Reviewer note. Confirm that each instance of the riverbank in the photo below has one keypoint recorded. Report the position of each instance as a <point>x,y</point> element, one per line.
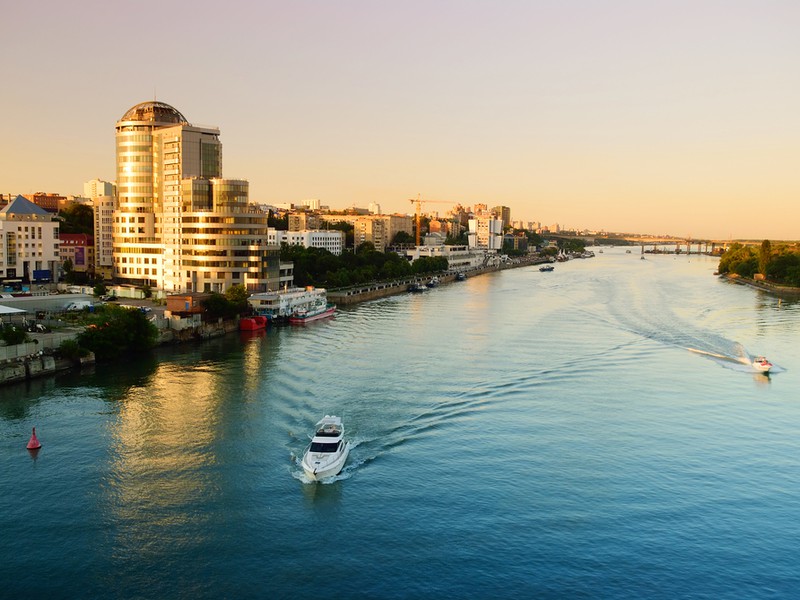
<point>764,286</point>
<point>374,291</point>
<point>36,359</point>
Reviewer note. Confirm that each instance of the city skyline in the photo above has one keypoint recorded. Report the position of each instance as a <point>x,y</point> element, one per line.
<point>667,118</point>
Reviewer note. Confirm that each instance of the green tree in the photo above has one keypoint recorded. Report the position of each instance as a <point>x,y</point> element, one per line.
<point>276,222</point>
<point>69,272</point>
<point>217,305</point>
<point>764,256</point>
<point>460,240</point>
<point>347,228</point>
<point>13,335</point>
<point>402,237</point>
<point>237,295</point>
<point>77,218</point>
<point>780,266</point>
<point>735,255</point>
<point>747,268</point>
<point>114,331</point>
<point>72,350</point>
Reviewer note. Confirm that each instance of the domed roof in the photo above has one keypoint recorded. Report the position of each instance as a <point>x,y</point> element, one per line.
<point>154,111</point>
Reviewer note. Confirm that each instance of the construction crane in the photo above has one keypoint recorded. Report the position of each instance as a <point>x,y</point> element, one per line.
<point>419,201</point>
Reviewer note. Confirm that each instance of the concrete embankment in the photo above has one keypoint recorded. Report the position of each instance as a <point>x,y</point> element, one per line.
<point>778,290</point>
<point>373,291</point>
<point>37,365</point>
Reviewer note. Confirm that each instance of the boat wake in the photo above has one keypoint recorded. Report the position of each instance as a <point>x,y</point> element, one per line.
<point>652,317</point>
<point>741,361</point>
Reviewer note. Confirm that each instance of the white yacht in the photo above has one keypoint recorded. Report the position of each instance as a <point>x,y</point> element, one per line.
<point>327,453</point>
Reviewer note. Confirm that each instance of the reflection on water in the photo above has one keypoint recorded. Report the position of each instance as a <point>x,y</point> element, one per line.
<point>515,411</point>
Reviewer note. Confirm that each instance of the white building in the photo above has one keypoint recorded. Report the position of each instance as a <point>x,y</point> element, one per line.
<point>97,187</point>
<point>331,240</point>
<point>485,232</point>
<point>29,246</point>
<point>459,258</point>
<point>310,204</point>
<point>102,197</point>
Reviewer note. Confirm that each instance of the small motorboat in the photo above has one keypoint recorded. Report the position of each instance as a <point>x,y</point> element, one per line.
<point>328,450</point>
<point>761,364</point>
<point>546,268</point>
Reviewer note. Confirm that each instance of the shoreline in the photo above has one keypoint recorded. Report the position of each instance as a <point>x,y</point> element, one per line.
<point>21,368</point>
<point>764,286</point>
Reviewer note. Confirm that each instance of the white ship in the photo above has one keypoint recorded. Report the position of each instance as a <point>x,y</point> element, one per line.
<point>279,306</point>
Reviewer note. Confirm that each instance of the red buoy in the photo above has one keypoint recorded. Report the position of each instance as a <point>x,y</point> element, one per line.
<point>33,443</point>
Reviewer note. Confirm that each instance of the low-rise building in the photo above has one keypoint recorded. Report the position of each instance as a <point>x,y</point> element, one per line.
<point>331,240</point>
<point>29,244</point>
<point>78,248</point>
<point>459,258</point>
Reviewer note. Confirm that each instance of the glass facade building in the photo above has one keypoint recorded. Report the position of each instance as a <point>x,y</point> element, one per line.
<point>175,212</point>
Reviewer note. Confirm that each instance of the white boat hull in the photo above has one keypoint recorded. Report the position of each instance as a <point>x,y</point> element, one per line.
<point>320,465</point>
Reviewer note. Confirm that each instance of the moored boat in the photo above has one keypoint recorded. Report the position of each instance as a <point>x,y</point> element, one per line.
<point>303,315</point>
<point>279,306</point>
<point>328,450</point>
<point>252,323</point>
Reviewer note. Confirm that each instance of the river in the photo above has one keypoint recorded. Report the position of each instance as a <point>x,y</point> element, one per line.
<point>585,433</point>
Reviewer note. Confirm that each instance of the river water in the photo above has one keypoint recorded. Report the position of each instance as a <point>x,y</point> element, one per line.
<point>518,435</point>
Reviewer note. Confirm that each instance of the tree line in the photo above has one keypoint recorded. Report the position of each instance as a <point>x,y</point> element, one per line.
<point>779,264</point>
<point>318,267</point>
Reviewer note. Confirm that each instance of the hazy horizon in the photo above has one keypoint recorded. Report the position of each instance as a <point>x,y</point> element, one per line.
<point>674,118</point>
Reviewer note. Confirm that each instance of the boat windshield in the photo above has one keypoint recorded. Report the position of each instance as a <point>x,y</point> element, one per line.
<point>324,446</point>
<point>329,430</point>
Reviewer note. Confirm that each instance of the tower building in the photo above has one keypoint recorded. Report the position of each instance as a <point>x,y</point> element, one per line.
<point>178,225</point>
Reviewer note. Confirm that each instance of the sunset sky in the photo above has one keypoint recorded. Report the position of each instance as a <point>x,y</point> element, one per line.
<point>665,117</point>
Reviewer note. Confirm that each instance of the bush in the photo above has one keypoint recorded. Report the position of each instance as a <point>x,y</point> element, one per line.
<point>115,331</point>
<point>13,335</point>
<point>71,350</point>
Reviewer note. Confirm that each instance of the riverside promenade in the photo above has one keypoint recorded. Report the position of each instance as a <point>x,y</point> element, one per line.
<point>375,290</point>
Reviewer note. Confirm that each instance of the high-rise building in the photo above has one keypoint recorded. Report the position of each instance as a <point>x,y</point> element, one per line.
<point>485,230</point>
<point>102,195</point>
<point>504,214</point>
<point>179,226</point>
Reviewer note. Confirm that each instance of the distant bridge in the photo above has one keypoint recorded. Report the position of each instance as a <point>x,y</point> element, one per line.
<point>682,245</point>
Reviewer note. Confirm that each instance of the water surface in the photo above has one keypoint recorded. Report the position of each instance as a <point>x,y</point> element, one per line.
<point>521,434</point>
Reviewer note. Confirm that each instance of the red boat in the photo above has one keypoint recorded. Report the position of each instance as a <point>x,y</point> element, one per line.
<point>252,323</point>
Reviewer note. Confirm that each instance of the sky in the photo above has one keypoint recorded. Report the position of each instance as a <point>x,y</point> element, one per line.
<point>664,117</point>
